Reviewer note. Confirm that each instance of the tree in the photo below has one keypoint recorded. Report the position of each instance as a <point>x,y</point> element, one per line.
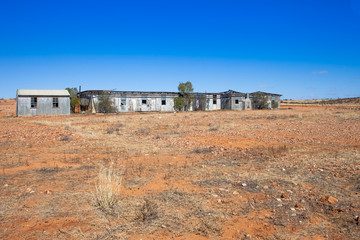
<point>178,104</point>
<point>74,100</point>
<point>106,104</point>
<point>274,104</point>
<point>186,95</point>
<point>260,101</point>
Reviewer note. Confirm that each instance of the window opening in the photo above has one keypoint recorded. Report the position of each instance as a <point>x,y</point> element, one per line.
<point>163,100</point>
<point>214,99</point>
<point>33,102</point>
<point>55,102</point>
<point>123,101</point>
<point>144,100</point>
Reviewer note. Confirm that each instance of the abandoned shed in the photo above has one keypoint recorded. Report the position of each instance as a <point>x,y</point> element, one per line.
<point>135,101</point>
<point>31,102</point>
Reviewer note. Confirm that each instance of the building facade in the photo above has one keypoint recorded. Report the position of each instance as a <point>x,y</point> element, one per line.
<point>133,101</point>
<point>30,102</point>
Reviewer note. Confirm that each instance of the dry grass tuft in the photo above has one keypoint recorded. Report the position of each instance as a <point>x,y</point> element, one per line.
<point>106,195</point>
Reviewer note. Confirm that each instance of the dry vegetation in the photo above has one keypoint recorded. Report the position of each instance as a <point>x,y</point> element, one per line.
<point>340,101</point>
<point>271,174</point>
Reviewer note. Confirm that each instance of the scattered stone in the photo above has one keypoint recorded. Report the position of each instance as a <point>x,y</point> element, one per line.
<point>292,209</point>
<point>329,199</point>
<point>244,184</point>
<point>48,192</point>
<point>219,200</point>
<point>279,200</point>
<point>235,193</point>
<point>6,185</point>
<point>284,195</point>
<point>266,187</point>
<point>299,205</point>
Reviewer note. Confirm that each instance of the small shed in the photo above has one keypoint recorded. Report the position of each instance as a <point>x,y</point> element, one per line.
<point>30,102</point>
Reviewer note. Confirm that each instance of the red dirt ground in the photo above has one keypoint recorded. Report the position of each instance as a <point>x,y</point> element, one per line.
<point>191,175</point>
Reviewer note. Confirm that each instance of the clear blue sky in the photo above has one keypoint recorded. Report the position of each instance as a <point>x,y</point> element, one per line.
<point>298,48</point>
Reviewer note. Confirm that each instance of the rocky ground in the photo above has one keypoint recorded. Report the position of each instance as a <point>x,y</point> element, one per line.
<point>292,173</point>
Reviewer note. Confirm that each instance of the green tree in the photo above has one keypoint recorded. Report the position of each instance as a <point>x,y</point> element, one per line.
<point>74,100</point>
<point>260,101</point>
<point>106,104</point>
<point>274,104</point>
<point>178,104</point>
<point>186,92</point>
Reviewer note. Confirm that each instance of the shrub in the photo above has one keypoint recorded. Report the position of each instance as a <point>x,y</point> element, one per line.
<point>105,104</point>
<point>274,104</point>
<point>178,104</point>
<point>260,101</point>
<point>74,100</point>
<point>147,212</point>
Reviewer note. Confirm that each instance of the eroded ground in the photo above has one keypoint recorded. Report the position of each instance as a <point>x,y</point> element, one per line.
<point>282,174</point>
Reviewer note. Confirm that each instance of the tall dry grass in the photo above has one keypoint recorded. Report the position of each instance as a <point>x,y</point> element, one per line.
<point>106,193</point>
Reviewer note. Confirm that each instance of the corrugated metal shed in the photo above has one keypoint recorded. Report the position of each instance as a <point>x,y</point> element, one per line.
<point>39,93</point>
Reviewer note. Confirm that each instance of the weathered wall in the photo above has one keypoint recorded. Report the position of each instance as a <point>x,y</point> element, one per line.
<point>210,100</point>
<point>44,106</point>
<point>237,106</point>
<point>135,104</point>
<point>132,101</point>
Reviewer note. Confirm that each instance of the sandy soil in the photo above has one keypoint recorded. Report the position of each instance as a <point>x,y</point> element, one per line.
<point>292,173</point>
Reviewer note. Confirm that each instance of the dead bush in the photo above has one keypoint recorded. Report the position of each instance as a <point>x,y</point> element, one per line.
<point>106,195</point>
<point>277,151</point>
<point>147,212</point>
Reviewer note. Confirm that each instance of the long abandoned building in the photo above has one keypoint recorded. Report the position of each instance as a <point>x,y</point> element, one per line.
<point>135,101</point>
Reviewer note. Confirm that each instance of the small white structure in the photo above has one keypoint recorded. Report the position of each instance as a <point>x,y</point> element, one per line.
<point>31,102</point>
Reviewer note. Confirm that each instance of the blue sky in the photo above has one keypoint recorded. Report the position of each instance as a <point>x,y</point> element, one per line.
<point>301,49</point>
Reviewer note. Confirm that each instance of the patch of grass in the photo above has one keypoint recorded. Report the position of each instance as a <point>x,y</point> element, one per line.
<point>214,129</point>
<point>66,138</point>
<point>106,195</point>
<point>48,170</point>
<point>158,137</point>
<point>144,132</point>
<point>114,128</point>
<point>201,150</point>
<point>277,151</point>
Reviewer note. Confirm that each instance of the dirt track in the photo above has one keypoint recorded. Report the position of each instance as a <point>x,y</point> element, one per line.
<point>272,174</point>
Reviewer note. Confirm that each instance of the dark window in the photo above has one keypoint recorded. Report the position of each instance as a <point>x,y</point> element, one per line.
<point>273,98</point>
<point>236,101</point>
<point>144,99</point>
<point>123,101</point>
<point>214,99</point>
<point>55,102</point>
<point>33,102</point>
<point>163,99</point>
